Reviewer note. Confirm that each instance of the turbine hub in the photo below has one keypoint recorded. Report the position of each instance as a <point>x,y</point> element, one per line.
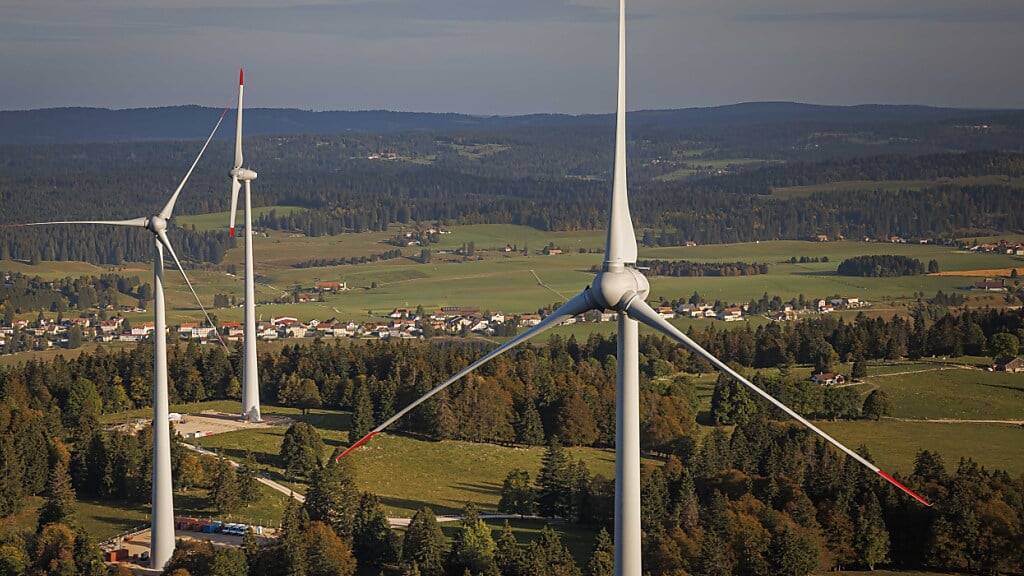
<point>616,287</point>
<point>243,174</point>
<point>156,224</point>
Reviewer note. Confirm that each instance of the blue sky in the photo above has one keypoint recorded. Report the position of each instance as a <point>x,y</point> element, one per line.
<point>508,56</point>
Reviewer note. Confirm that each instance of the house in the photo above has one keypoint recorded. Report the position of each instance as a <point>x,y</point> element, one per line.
<point>497,318</point>
<point>731,314</point>
<point>528,320</point>
<point>111,326</point>
<point>783,315</point>
<point>232,329</point>
<point>666,312</point>
<point>402,313</point>
<point>331,286</point>
<point>828,379</point>
<point>284,321</point>
<point>990,285</point>
<point>551,251</point>
<point>305,297</point>
<point>1015,365</point>
<point>820,238</point>
<point>144,329</point>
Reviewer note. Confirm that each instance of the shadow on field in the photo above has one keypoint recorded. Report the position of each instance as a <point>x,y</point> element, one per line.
<point>408,504</point>
<point>485,488</point>
<point>339,421</point>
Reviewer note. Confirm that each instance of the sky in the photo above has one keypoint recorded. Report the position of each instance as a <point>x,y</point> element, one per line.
<point>508,56</point>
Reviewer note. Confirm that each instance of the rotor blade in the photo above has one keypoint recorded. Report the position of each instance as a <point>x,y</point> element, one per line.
<point>577,305</point>
<point>621,244</point>
<point>238,120</point>
<point>642,312</point>
<point>169,207</point>
<point>235,185</point>
<point>167,244</point>
<point>134,222</point>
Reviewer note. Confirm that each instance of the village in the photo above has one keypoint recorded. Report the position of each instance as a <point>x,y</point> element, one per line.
<point>400,323</point>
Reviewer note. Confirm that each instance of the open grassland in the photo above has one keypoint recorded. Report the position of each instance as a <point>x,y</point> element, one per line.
<point>507,283</point>
<point>104,519</point>
<point>407,473</point>
<point>893,185</point>
<point>894,444</point>
<point>219,220</point>
<point>954,394</point>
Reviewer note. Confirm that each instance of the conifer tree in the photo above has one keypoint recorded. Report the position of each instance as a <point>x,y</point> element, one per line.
<point>517,496</point>
<point>362,414</point>
<point>60,494</point>
<point>509,558</point>
<point>871,538</point>
<point>554,483</point>
<point>374,544</point>
<point>602,561</point>
<point>424,545</point>
<point>473,548</point>
<point>332,497</point>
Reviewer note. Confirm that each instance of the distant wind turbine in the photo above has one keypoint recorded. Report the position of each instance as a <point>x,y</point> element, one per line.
<point>162,516</point>
<point>250,371</point>
<point>621,288</point>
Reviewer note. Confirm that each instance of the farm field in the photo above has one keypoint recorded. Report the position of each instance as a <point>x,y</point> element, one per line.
<point>894,444</point>
<point>507,283</point>
<point>219,220</point>
<point>954,394</point>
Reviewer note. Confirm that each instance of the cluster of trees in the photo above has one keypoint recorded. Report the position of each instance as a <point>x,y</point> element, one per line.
<point>106,244</point>
<point>21,293</point>
<point>688,268</point>
<point>876,266</point>
<point>323,262</point>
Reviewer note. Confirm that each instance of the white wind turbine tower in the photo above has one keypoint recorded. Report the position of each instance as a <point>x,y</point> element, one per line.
<point>621,288</point>
<point>162,515</point>
<point>250,370</point>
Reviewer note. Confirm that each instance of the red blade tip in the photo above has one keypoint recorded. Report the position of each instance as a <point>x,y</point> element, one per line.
<point>353,447</point>
<point>902,487</point>
<point>231,231</point>
<point>241,76</point>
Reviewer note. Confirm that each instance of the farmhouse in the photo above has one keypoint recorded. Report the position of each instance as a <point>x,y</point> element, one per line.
<point>332,286</point>
<point>990,285</point>
<point>732,314</point>
<point>1015,365</point>
<point>828,379</point>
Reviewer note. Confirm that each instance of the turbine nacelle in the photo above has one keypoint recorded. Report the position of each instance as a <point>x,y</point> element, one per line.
<point>617,287</point>
<point>156,224</point>
<point>243,174</point>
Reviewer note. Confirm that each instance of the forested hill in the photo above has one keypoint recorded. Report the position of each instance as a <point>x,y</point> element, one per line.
<point>67,125</point>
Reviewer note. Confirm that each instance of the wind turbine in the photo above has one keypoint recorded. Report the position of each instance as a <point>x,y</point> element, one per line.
<point>250,370</point>
<point>162,516</point>
<point>621,288</point>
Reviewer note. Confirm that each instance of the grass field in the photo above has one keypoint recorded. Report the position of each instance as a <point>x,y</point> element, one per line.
<point>104,519</point>
<point>894,444</point>
<point>955,394</point>
<point>406,473</point>
<point>219,220</point>
<point>500,282</point>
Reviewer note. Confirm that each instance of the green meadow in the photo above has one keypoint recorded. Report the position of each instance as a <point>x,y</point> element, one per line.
<point>499,281</point>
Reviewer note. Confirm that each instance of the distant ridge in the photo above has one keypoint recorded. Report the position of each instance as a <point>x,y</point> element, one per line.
<point>68,125</point>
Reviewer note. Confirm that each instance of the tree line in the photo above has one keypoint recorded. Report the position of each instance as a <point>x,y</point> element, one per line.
<point>688,268</point>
